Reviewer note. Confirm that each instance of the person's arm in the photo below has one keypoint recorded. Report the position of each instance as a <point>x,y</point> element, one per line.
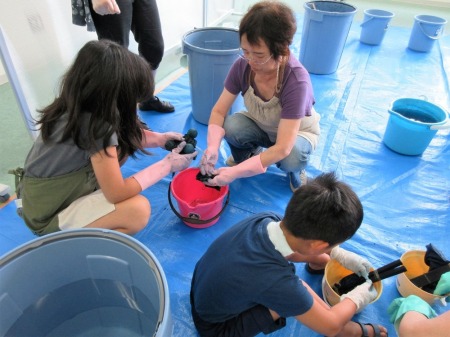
<point>221,108</point>
<point>258,164</point>
<point>415,324</point>
<point>329,321</point>
<point>216,132</point>
<point>286,138</point>
<point>117,189</point>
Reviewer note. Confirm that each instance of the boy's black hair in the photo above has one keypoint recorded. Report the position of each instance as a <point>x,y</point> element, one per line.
<point>106,80</point>
<point>271,21</point>
<point>324,209</point>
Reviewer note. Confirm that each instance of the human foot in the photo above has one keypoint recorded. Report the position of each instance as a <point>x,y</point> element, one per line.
<point>356,329</point>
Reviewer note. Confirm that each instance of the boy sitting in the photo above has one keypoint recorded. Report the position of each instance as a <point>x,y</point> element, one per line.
<point>246,283</point>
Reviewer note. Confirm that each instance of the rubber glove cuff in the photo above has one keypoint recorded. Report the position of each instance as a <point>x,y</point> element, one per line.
<point>247,168</point>
<point>215,135</point>
<point>152,174</point>
<point>400,306</point>
<point>443,286</point>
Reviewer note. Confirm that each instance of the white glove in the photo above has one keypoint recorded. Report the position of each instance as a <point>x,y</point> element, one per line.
<point>351,261</point>
<point>362,295</point>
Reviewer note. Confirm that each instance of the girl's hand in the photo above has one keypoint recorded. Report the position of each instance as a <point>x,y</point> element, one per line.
<point>177,161</point>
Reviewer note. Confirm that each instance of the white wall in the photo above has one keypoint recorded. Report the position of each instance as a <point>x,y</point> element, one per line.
<point>42,41</point>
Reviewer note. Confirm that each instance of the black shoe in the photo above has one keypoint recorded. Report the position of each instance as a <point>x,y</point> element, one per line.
<point>155,104</point>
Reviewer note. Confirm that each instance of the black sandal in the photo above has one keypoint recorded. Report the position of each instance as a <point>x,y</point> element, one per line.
<point>365,332</point>
<point>314,271</point>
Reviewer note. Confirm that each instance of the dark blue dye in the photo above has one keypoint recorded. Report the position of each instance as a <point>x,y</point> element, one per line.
<point>417,116</point>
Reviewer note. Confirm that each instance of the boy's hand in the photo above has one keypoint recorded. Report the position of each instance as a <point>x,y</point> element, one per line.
<point>362,295</point>
<point>352,261</point>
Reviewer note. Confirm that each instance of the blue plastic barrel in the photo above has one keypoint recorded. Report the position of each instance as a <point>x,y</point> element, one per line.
<point>325,28</point>
<point>374,26</point>
<point>86,282</point>
<point>211,52</point>
<point>426,30</point>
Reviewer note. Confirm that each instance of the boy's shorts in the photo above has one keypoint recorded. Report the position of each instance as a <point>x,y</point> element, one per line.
<point>249,323</point>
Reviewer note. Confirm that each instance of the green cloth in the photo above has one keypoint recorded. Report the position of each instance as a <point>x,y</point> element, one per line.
<point>443,286</point>
<point>44,198</point>
<point>401,306</point>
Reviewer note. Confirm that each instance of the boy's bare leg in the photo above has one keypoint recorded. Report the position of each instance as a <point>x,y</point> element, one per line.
<point>352,329</point>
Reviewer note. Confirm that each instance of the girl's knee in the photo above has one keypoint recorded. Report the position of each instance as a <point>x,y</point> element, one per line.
<point>140,212</point>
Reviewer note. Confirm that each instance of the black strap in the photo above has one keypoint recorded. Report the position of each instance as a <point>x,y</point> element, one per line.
<point>430,277</point>
<point>193,220</point>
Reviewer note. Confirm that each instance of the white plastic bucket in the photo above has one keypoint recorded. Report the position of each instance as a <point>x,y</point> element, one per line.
<point>87,282</point>
<point>374,26</point>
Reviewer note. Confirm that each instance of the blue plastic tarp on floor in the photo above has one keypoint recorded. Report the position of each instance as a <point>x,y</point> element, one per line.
<point>405,198</point>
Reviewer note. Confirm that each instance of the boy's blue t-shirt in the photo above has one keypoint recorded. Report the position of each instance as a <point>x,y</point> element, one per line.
<point>242,269</point>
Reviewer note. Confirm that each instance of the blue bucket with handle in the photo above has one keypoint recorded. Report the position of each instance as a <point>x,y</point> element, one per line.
<point>412,125</point>
<point>374,26</point>
<point>426,30</point>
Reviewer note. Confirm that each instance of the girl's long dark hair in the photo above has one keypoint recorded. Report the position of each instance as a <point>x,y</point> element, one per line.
<point>107,81</point>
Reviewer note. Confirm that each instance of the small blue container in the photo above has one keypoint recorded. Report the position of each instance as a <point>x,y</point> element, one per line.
<point>211,52</point>
<point>325,29</point>
<point>412,125</point>
<point>87,282</point>
<point>426,30</point>
<point>374,26</point>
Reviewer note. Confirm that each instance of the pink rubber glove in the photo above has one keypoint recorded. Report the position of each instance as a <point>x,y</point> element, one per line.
<point>173,162</point>
<point>211,154</point>
<point>248,168</point>
<point>362,295</point>
<point>105,7</point>
<point>156,139</point>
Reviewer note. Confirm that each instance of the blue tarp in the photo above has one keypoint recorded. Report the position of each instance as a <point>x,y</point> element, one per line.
<point>405,198</point>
